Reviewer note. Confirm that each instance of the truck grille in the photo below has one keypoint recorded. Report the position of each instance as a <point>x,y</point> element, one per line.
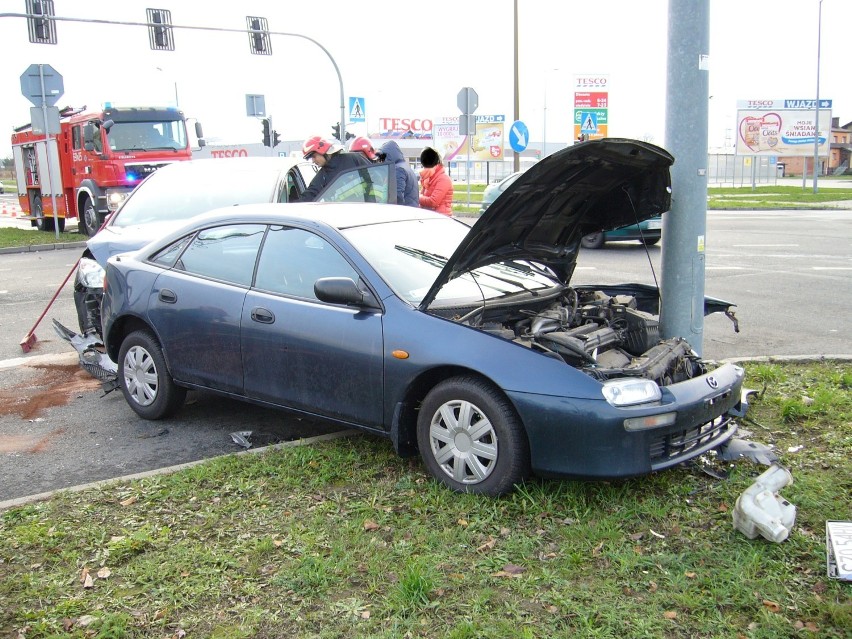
<point>677,446</point>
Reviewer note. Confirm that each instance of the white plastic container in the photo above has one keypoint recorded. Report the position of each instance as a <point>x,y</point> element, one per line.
<point>760,510</point>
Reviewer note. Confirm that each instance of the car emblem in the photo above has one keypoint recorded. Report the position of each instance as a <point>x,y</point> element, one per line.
<point>711,381</point>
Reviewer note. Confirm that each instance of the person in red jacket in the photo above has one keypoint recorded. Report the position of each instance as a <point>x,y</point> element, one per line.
<point>436,187</point>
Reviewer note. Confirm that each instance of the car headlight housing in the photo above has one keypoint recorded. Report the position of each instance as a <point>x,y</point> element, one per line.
<point>90,274</point>
<point>630,391</point>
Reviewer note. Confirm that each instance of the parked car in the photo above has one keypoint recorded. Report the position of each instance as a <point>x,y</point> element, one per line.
<point>648,232</point>
<point>468,345</point>
<point>175,193</point>
<point>493,191</point>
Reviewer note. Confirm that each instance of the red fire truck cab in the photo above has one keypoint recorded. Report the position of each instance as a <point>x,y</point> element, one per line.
<point>90,167</point>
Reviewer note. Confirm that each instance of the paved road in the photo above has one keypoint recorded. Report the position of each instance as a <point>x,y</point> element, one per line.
<point>787,271</point>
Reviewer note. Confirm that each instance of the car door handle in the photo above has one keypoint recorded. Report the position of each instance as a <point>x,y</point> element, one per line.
<point>262,315</point>
<point>167,295</point>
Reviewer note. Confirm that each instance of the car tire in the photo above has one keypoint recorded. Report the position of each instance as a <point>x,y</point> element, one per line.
<point>37,211</point>
<point>91,219</point>
<point>144,377</point>
<point>592,241</point>
<point>650,241</point>
<point>463,415</point>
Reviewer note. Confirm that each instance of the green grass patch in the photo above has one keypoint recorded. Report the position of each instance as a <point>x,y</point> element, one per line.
<point>10,237</point>
<point>345,539</point>
<point>773,197</point>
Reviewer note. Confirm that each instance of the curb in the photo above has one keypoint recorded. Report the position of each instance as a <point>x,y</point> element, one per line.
<point>168,470</point>
<point>36,248</point>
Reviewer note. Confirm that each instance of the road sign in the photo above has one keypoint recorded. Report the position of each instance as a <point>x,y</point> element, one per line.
<point>42,75</point>
<point>468,100</point>
<point>519,136</point>
<point>467,124</point>
<point>255,106</point>
<point>357,110</point>
<point>589,122</point>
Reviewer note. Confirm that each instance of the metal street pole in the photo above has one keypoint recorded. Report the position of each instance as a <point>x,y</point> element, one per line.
<point>221,29</point>
<point>685,226</point>
<point>816,103</point>
<point>517,156</point>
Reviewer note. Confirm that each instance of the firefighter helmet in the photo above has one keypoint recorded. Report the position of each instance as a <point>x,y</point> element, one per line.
<point>363,145</point>
<point>315,145</point>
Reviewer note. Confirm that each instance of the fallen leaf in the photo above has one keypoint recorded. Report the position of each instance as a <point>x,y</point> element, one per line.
<point>67,624</point>
<point>84,573</point>
<point>129,501</point>
<point>690,575</point>
<point>510,570</point>
<point>637,536</point>
<point>771,605</point>
<point>104,572</point>
<point>656,534</point>
<point>180,634</point>
<point>370,526</point>
<point>463,522</point>
<point>670,614</point>
<point>723,507</point>
<point>597,549</point>
<point>85,620</point>
<point>488,545</point>
<point>652,586</point>
<point>365,614</point>
<point>813,627</point>
<point>552,609</point>
<point>88,582</point>
<point>277,543</point>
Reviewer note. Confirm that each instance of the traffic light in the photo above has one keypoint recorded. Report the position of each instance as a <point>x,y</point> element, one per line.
<point>267,133</point>
<point>275,138</point>
<point>349,136</point>
<point>336,129</point>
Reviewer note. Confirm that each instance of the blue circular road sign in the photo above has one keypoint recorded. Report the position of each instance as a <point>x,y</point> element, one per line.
<point>519,136</point>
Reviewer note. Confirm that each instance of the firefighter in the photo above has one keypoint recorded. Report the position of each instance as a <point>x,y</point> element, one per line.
<point>363,145</point>
<point>330,160</point>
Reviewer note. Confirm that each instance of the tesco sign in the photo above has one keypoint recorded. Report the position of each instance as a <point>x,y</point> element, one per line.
<point>415,125</point>
<point>591,82</point>
<point>229,153</point>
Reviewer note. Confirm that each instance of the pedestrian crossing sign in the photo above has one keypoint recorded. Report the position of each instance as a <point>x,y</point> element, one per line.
<point>356,110</point>
<point>589,123</point>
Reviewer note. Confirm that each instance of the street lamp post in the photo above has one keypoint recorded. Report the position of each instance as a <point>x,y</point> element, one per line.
<point>816,102</point>
<point>544,124</point>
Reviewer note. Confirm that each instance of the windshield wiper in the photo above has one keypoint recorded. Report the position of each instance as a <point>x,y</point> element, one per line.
<point>429,258</point>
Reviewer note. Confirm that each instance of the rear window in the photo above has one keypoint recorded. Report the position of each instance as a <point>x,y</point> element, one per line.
<point>181,194</point>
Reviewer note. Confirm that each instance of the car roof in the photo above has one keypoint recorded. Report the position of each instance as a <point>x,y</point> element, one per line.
<point>223,165</point>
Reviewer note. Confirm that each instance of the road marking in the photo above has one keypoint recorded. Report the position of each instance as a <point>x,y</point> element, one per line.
<point>766,245</point>
<point>832,268</point>
<point>724,268</point>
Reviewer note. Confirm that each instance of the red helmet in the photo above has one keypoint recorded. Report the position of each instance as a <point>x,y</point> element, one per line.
<point>315,145</point>
<point>363,145</point>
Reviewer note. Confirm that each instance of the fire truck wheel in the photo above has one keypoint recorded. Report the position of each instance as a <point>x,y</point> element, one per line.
<point>45,223</point>
<point>91,220</point>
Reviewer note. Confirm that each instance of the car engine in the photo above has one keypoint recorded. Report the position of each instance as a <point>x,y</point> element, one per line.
<point>604,336</point>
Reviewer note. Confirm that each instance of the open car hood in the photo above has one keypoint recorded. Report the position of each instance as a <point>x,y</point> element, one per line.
<point>586,188</point>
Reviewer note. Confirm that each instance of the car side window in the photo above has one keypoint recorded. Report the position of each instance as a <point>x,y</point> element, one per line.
<point>293,259</point>
<point>363,184</point>
<point>226,253</point>
<point>168,256</point>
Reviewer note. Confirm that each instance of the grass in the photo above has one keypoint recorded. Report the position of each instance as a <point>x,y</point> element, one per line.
<point>773,197</point>
<point>344,539</point>
<point>12,237</point>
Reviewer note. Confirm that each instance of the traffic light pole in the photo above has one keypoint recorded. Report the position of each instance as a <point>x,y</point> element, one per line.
<point>194,28</point>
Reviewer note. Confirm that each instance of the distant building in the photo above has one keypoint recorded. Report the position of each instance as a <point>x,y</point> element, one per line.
<point>840,152</point>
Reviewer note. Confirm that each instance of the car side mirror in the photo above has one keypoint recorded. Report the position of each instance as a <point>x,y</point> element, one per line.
<point>343,290</point>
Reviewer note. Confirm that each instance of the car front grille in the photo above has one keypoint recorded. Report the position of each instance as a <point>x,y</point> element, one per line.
<point>678,446</point>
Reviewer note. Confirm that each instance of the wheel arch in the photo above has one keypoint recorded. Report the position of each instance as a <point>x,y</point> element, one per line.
<point>123,327</point>
<point>403,430</point>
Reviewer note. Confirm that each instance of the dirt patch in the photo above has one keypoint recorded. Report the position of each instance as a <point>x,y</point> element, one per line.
<point>51,386</point>
<point>25,444</point>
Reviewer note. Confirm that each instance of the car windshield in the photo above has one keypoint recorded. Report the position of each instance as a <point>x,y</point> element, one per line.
<point>410,254</point>
<point>179,195</point>
<point>141,136</point>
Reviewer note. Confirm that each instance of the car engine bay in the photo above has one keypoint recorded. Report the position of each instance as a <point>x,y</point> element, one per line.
<point>604,336</point>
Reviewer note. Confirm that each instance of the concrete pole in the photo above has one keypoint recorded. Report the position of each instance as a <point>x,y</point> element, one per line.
<point>685,226</point>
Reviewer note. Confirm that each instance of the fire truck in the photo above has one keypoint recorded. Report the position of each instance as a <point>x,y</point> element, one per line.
<point>98,157</point>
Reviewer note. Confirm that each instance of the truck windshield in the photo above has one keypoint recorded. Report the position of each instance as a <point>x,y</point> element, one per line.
<point>145,136</point>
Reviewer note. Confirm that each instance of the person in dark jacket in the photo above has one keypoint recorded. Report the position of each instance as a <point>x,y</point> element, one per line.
<point>407,191</point>
<point>330,162</point>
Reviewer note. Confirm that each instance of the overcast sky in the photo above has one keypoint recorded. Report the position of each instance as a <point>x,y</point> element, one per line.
<point>409,59</point>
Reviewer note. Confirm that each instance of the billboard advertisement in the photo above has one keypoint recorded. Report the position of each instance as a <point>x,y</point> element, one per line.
<point>782,128</point>
<point>591,106</point>
<point>486,144</point>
